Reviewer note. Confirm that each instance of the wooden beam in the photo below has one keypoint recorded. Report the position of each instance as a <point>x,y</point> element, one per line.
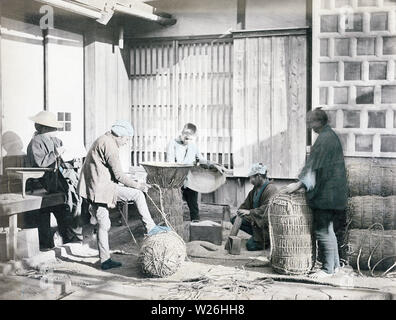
<point>1,97</point>
<point>13,203</point>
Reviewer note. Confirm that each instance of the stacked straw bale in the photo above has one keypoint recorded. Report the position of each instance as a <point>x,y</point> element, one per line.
<point>364,211</point>
<point>372,203</point>
<point>370,179</point>
<point>293,248</point>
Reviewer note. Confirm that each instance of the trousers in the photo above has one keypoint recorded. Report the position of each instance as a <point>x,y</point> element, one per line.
<point>323,223</point>
<point>101,213</point>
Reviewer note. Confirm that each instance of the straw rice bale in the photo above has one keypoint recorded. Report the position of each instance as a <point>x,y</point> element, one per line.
<point>371,179</point>
<point>364,211</point>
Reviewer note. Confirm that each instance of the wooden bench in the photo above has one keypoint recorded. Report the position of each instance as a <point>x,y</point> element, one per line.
<point>11,204</point>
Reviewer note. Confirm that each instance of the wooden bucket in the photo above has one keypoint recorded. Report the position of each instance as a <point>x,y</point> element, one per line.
<point>371,179</point>
<point>364,211</point>
<point>293,248</point>
<point>166,195</point>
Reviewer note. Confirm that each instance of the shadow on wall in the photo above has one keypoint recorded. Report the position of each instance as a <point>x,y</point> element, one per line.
<point>13,145</point>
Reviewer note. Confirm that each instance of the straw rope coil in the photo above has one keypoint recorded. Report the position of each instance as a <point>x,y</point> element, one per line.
<point>162,254</point>
<point>372,250</point>
<point>364,211</point>
<point>293,249</point>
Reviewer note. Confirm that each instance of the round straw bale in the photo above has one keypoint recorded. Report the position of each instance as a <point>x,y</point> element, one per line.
<point>364,211</point>
<point>162,254</point>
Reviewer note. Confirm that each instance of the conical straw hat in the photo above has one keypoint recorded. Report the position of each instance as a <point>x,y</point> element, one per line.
<point>46,118</point>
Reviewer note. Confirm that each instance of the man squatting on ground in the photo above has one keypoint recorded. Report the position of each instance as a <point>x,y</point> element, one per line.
<point>254,210</point>
<point>183,150</point>
<point>324,178</point>
<point>99,184</point>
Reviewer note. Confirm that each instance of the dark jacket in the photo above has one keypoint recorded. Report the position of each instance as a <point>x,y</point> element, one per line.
<point>41,154</point>
<point>327,161</point>
<point>260,214</point>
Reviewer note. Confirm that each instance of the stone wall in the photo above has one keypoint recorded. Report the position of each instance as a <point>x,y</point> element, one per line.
<point>353,60</point>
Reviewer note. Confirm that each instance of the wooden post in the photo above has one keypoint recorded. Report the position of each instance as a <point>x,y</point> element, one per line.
<point>13,236</point>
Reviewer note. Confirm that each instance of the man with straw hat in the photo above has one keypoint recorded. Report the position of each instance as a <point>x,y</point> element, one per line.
<point>254,210</point>
<point>99,184</point>
<point>44,151</point>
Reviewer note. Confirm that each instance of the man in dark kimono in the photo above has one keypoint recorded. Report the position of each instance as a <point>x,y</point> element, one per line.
<point>254,210</point>
<point>324,178</point>
<point>44,151</point>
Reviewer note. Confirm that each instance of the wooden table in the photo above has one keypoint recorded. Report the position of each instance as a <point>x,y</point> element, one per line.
<point>25,174</point>
<point>13,203</point>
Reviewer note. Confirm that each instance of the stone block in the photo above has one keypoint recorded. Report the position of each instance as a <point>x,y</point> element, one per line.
<point>324,47</point>
<point>340,95</point>
<point>388,94</point>
<point>388,143</point>
<point>389,45</point>
<point>234,245</point>
<point>357,25</point>
<point>352,70</point>
<point>376,119</point>
<point>328,71</point>
<point>367,3</point>
<point>351,119</point>
<point>329,23</point>
<point>379,21</point>
<point>365,46</point>
<point>377,70</point>
<point>364,95</point>
<point>341,47</point>
<point>364,143</point>
<point>202,231</point>
<point>28,243</point>
<point>323,93</point>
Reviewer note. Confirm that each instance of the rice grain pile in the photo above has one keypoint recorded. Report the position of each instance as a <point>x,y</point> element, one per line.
<point>370,247</point>
<point>293,249</point>
<point>162,254</point>
<point>364,211</point>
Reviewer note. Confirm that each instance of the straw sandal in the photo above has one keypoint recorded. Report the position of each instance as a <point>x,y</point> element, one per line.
<point>320,275</point>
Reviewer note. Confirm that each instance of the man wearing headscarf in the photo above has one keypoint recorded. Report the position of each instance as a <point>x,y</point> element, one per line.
<point>324,179</point>
<point>99,184</point>
<point>254,210</point>
<point>44,151</point>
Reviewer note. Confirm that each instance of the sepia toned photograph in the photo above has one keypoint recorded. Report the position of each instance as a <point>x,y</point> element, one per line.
<point>196,155</point>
